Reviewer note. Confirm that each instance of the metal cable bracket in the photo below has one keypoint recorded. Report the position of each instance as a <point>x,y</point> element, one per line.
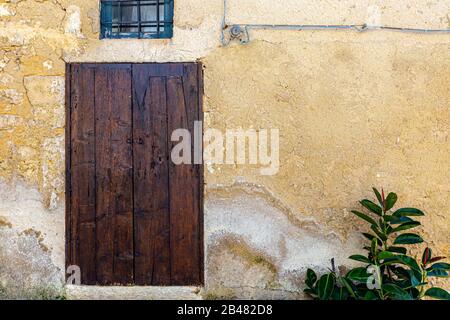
<point>241,32</point>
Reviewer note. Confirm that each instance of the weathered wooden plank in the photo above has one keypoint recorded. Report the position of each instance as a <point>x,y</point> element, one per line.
<point>68,197</point>
<point>200,174</point>
<point>152,262</point>
<point>191,87</point>
<point>82,177</point>
<point>122,172</point>
<point>184,209</point>
<point>103,172</point>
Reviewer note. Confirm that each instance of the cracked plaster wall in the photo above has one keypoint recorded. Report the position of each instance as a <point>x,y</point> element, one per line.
<point>355,110</point>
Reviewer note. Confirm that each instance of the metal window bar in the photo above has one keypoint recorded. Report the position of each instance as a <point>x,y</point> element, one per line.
<point>126,19</point>
<point>157,16</point>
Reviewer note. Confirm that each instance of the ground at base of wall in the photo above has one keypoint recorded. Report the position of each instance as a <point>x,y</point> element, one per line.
<point>73,292</point>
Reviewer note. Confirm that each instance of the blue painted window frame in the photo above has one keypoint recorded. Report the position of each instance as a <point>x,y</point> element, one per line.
<point>106,17</point>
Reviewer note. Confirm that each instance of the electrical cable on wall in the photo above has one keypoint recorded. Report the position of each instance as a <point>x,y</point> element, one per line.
<point>242,31</point>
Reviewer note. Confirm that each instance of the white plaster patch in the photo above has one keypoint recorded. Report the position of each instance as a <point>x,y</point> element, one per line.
<point>53,157</point>
<point>45,91</point>
<point>23,207</point>
<point>46,95</point>
<point>5,78</point>
<point>5,10</point>
<point>9,121</point>
<point>73,21</point>
<point>269,231</point>
<point>48,64</point>
<point>11,96</point>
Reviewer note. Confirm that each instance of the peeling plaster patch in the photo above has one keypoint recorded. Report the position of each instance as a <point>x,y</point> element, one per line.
<point>5,223</point>
<point>73,21</point>
<point>187,45</point>
<point>266,232</point>
<point>3,62</point>
<point>5,10</point>
<point>53,182</point>
<point>33,251</point>
<point>5,78</point>
<point>93,15</point>
<point>46,95</point>
<point>48,64</point>
<point>26,271</point>
<point>45,91</point>
<point>8,122</point>
<point>11,96</point>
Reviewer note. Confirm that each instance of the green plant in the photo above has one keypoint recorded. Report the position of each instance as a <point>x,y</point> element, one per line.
<point>389,273</point>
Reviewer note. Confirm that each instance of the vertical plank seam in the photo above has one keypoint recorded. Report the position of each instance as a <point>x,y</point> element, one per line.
<point>169,163</point>
<point>132,173</point>
<point>111,215</point>
<point>152,222</point>
<point>200,172</point>
<point>68,216</point>
<point>186,122</point>
<point>77,238</point>
<point>95,176</point>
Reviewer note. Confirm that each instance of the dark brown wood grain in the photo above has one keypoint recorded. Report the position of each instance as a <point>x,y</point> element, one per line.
<point>133,216</point>
<point>114,178</point>
<point>103,173</point>
<point>183,184</point>
<point>152,226</point>
<point>83,172</point>
<point>200,173</point>
<point>68,197</point>
<point>122,172</point>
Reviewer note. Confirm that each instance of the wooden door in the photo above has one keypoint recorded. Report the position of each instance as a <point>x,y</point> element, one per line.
<point>133,216</point>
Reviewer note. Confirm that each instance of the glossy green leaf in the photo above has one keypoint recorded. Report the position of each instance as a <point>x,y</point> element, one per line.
<point>395,292</point>
<point>359,275</point>
<point>389,261</point>
<point>391,199</point>
<point>440,266</point>
<point>415,293</point>
<point>371,295</point>
<point>372,206</point>
<point>349,286</point>
<point>400,272</point>
<point>358,257</point>
<point>385,255</point>
<point>414,278</point>
<point>406,226</point>
<point>364,217</point>
<point>426,256</point>
<point>410,262</point>
<point>371,237</point>
<point>325,286</point>
<point>378,232</point>
<point>408,238</point>
<point>438,293</point>
<point>408,212</point>
<point>397,220</point>
<point>378,195</point>
<point>397,250</point>
<point>438,273</point>
<point>311,278</point>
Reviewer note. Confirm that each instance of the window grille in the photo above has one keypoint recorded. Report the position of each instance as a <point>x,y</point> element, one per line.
<point>140,19</point>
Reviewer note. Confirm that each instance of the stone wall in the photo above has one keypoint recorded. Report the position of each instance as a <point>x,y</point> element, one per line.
<point>354,110</point>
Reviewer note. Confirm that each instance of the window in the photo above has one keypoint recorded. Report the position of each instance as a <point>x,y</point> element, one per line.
<point>140,19</point>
